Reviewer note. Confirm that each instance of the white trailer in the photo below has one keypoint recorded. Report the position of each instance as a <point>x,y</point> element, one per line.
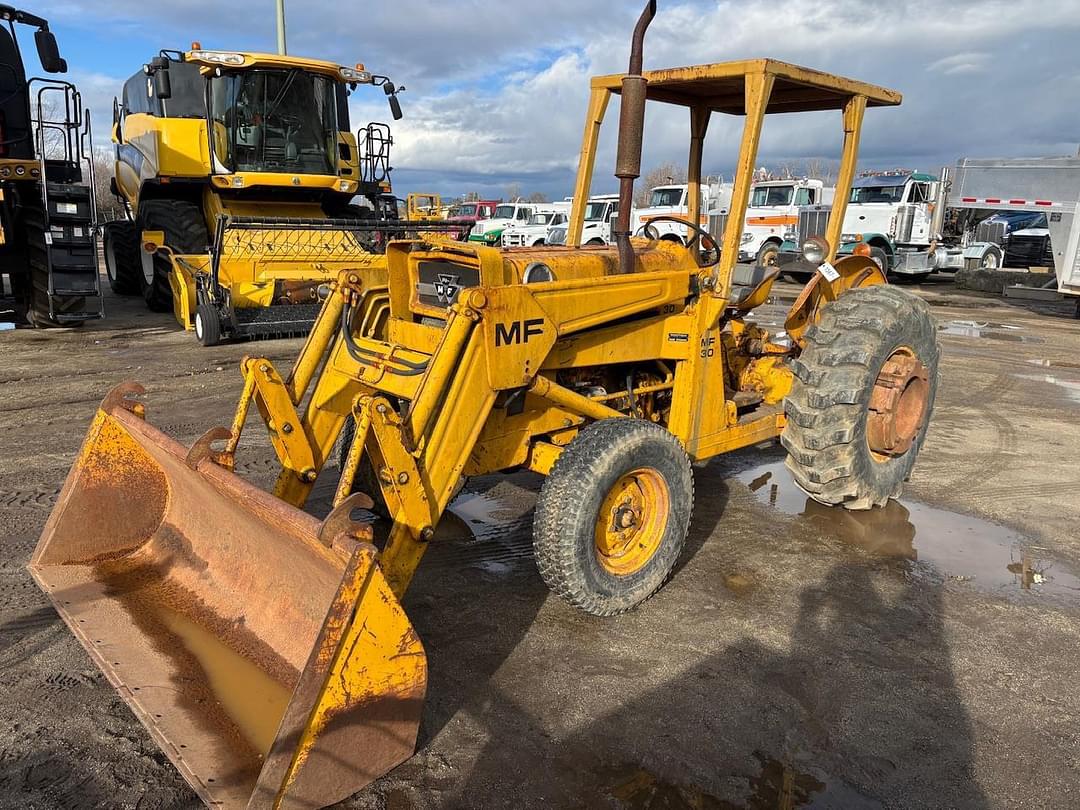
<point>1050,186</point>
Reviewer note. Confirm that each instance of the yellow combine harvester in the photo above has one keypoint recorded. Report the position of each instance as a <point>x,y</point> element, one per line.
<point>238,171</point>
<point>268,652</point>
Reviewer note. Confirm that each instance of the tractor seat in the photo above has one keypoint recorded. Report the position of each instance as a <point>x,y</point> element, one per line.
<point>746,282</point>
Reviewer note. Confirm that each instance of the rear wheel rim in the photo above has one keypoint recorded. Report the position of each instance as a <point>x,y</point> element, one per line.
<point>110,259</point>
<point>631,521</point>
<point>898,405</point>
<point>147,268</point>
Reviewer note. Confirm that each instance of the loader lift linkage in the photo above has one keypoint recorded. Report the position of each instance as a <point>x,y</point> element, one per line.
<point>609,375</point>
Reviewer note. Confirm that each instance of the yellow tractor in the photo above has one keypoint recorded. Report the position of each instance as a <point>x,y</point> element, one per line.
<point>238,172</point>
<point>268,651</point>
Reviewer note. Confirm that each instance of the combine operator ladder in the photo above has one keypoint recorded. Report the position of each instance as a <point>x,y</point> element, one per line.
<point>60,222</point>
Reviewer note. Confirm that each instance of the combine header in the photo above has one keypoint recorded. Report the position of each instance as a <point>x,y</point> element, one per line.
<point>268,652</point>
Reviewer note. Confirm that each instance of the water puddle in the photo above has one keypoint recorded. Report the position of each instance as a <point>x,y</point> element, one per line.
<point>253,700</point>
<point>480,532</point>
<point>989,330</point>
<point>991,557</point>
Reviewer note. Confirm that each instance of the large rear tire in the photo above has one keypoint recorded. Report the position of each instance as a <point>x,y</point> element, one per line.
<point>613,515</point>
<point>185,232</point>
<point>862,397</point>
<point>123,263</point>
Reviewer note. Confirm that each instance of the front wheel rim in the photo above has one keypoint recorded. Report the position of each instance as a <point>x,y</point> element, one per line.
<point>631,521</point>
<point>199,326</point>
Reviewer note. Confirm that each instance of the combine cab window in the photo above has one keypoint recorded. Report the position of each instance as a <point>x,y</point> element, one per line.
<point>274,121</point>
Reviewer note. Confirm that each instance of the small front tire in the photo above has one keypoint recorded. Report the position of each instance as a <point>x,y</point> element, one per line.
<point>613,515</point>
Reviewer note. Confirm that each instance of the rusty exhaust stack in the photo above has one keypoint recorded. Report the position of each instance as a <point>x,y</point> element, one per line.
<point>631,127</point>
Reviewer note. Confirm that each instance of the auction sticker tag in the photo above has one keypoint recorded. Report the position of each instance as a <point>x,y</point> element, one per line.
<point>828,271</point>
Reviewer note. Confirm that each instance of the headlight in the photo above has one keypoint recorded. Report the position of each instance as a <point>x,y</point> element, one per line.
<point>352,75</point>
<point>815,249</point>
<point>790,236</point>
<point>746,237</point>
<point>845,238</point>
<point>493,234</point>
<point>218,57</point>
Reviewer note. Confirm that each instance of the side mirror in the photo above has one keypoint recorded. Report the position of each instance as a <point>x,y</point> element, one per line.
<point>49,52</point>
<point>117,134</point>
<point>162,84</point>
<point>391,95</point>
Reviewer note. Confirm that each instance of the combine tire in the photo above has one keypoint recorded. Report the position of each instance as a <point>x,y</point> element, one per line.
<point>207,325</point>
<point>185,232</point>
<point>862,397</point>
<point>612,515</point>
<point>123,261</point>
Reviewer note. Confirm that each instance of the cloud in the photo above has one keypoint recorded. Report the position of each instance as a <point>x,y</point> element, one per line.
<point>961,63</point>
<point>497,92</point>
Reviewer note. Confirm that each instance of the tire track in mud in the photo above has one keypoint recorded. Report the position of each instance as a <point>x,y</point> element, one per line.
<point>36,498</point>
<point>982,402</point>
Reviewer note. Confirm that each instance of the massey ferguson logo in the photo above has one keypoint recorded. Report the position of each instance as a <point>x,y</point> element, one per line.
<point>447,288</point>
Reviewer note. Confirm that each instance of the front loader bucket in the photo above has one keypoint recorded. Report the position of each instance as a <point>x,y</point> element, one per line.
<point>263,650</point>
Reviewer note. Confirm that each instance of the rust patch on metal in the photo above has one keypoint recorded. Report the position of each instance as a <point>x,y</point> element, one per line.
<point>898,404</point>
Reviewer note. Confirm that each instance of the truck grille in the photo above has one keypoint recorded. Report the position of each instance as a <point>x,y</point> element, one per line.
<point>990,232</point>
<point>812,222</point>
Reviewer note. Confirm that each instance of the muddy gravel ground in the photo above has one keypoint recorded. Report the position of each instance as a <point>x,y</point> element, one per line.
<point>924,655</point>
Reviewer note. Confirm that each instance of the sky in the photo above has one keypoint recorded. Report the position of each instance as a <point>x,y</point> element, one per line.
<point>496,91</point>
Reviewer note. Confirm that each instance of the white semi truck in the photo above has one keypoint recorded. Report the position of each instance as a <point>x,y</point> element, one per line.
<point>671,201</point>
<point>773,210</point>
<point>913,223</point>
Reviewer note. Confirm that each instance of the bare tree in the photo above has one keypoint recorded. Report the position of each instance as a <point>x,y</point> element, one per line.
<point>663,175</point>
<point>109,207</point>
<point>538,197</point>
<point>513,191</point>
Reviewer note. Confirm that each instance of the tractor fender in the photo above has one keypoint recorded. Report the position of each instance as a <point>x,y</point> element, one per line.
<point>855,271</point>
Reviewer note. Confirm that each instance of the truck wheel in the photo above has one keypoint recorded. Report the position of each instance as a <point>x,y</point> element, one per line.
<point>768,255</point>
<point>879,257</point>
<point>991,260</point>
<point>185,232</point>
<point>612,515</point>
<point>862,397</point>
<point>207,325</point>
<point>123,263</point>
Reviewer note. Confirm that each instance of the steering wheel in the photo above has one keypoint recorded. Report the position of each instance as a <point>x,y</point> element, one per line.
<point>709,252</point>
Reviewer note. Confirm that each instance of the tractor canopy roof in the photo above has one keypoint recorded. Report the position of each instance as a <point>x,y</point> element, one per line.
<point>721,87</point>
